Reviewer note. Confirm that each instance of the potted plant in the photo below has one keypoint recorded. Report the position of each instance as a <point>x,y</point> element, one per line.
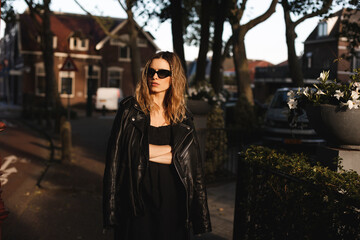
<point>333,109</point>
<point>201,96</point>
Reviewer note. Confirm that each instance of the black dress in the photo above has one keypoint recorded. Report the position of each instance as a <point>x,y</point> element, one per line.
<point>164,198</point>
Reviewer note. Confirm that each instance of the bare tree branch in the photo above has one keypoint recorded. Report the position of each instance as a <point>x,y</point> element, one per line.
<point>101,24</point>
<point>262,17</point>
<point>323,10</point>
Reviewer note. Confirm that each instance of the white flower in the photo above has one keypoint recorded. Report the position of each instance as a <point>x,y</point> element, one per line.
<point>324,75</point>
<point>354,95</point>
<point>291,94</point>
<point>320,92</point>
<point>292,103</point>
<point>349,103</point>
<point>306,92</point>
<point>356,104</point>
<point>357,85</point>
<point>338,94</point>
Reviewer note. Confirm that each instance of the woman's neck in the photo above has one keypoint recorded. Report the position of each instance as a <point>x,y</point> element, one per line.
<point>159,99</point>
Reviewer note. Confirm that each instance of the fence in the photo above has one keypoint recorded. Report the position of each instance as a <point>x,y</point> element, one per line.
<point>271,204</point>
<point>220,149</point>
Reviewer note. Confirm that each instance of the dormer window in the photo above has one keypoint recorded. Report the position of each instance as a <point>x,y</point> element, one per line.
<point>81,44</point>
<point>38,40</point>
<point>322,29</point>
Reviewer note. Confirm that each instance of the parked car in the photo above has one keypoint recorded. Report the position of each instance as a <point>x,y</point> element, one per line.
<point>278,129</point>
<point>108,98</point>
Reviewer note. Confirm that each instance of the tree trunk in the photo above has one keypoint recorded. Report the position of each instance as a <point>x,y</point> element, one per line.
<point>204,41</point>
<point>135,54</point>
<point>52,99</point>
<point>216,77</point>
<point>177,30</point>
<point>241,64</point>
<point>293,61</point>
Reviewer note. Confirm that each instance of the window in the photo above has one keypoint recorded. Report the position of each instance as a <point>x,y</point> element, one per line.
<point>66,83</point>
<point>356,60</point>
<point>40,79</point>
<point>38,40</point>
<point>76,43</point>
<point>322,29</point>
<point>54,42</point>
<point>92,78</point>
<point>123,39</point>
<point>141,42</point>
<point>124,53</point>
<point>115,77</point>
<point>309,58</point>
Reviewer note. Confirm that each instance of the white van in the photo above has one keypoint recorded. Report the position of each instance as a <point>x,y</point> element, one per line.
<point>108,98</point>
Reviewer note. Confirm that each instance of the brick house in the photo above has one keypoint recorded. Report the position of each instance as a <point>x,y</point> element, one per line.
<point>321,48</point>
<point>99,59</point>
<point>325,44</point>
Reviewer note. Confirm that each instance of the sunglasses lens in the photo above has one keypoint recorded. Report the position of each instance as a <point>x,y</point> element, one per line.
<point>151,72</point>
<point>163,73</point>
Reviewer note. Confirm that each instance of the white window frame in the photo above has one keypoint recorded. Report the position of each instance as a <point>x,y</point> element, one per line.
<point>142,42</point>
<point>119,69</point>
<point>95,68</point>
<point>38,74</point>
<point>309,59</point>
<point>123,59</point>
<point>67,74</point>
<point>38,40</point>
<point>356,59</point>
<point>322,29</point>
<point>78,46</point>
<point>55,42</point>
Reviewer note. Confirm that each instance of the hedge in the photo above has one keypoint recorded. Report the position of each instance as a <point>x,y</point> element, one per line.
<point>281,196</point>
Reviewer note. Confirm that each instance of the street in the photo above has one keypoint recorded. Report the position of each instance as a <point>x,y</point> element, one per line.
<point>67,205</point>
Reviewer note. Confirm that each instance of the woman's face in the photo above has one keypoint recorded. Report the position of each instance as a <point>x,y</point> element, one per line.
<point>159,76</point>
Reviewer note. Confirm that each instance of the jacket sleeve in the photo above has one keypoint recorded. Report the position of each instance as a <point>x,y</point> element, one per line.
<point>200,215</point>
<point>112,169</point>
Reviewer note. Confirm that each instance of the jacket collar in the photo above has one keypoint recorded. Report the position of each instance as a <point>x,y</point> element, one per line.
<point>180,130</point>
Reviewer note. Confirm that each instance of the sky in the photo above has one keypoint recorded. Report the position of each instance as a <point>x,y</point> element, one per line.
<point>266,41</point>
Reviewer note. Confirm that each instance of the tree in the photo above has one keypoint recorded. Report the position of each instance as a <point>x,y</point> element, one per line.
<point>239,53</point>
<point>127,6</point>
<point>307,9</point>
<point>177,29</point>
<point>7,11</point>
<point>133,36</point>
<point>206,8</point>
<point>216,79</point>
<point>40,14</point>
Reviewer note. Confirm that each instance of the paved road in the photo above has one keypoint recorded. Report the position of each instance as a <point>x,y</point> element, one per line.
<point>68,204</point>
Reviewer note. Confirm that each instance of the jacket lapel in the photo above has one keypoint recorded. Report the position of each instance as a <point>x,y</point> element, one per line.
<point>180,131</point>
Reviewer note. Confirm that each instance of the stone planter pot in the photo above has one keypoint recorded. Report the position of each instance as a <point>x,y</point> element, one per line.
<point>337,126</point>
<point>198,107</point>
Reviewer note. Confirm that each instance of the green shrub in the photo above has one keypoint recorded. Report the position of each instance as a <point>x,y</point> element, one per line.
<point>282,196</point>
<point>216,141</point>
<point>243,116</point>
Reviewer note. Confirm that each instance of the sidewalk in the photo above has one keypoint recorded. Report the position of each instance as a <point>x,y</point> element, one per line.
<point>68,204</point>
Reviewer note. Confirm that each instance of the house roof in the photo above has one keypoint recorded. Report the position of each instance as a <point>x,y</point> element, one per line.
<point>333,25</point>
<point>65,25</point>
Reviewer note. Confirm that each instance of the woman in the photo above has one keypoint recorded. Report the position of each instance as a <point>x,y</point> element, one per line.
<point>153,180</point>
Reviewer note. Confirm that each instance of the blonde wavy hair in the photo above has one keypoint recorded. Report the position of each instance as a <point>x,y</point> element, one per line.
<point>174,102</point>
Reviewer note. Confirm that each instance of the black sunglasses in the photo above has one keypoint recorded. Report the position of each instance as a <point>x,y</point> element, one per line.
<point>162,73</point>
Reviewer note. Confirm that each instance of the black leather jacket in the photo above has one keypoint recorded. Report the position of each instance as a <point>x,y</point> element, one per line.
<point>126,162</point>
